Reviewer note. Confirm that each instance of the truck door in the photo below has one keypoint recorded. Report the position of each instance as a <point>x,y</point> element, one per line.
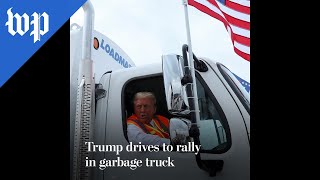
<point>225,151</point>
<point>123,85</point>
<point>224,138</point>
<point>102,96</point>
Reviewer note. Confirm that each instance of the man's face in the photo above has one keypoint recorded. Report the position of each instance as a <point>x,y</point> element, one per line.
<point>144,108</point>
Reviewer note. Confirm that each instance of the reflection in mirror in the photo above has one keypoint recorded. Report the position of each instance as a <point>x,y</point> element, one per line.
<point>179,126</point>
<point>176,96</point>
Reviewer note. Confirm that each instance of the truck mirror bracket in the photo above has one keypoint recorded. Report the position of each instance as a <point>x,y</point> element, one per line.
<point>212,166</point>
<point>100,92</point>
<point>198,64</point>
<point>194,131</point>
<point>186,79</point>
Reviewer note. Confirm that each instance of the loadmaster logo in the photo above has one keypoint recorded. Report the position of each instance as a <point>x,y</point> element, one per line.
<point>37,22</point>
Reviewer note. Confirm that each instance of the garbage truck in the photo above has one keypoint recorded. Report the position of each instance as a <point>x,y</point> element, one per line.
<point>202,98</point>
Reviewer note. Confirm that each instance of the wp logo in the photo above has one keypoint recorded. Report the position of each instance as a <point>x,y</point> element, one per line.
<point>23,24</point>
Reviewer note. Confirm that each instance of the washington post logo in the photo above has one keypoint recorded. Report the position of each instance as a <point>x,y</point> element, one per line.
<point>23,24</point>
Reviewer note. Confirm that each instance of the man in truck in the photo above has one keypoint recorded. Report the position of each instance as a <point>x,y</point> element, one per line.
<point>144,126</point>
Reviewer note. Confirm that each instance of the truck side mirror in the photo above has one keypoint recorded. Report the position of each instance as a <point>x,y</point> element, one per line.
<point>176,96</point>
<point>179,126</point>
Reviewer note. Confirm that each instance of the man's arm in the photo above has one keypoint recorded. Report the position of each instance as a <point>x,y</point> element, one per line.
<point>136,135</point>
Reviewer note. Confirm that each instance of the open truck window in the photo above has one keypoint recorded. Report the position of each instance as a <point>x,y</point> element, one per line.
<point>152,84</point>
<point>214,131</point>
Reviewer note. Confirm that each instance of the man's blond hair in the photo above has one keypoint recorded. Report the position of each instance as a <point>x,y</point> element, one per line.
<point>145,95</point>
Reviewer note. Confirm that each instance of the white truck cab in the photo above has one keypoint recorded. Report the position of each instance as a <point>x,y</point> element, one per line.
<point>224,123</point>
<point>222,127</point>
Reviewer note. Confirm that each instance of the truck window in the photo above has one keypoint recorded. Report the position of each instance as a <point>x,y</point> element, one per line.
<point>235,85</point>
<point>153,84</point>
<point>214,130</point>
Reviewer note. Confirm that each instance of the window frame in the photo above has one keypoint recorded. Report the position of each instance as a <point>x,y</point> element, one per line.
<point>234,87</point>
<point>223,120</point>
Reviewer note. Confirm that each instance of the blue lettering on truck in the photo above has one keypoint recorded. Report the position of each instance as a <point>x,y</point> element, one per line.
<point>115,55</point>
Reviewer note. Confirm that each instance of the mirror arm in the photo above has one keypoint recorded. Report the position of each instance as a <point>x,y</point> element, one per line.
<point>198,64</point>
<point>185,59</point>
<point>194,129</point>
<point>186,79</point>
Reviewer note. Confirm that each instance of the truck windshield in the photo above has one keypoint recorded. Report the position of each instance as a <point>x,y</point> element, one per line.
<point>236,86</point>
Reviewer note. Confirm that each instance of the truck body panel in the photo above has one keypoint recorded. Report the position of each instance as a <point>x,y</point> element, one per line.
<point>110,129</point>
<point>101,100</point>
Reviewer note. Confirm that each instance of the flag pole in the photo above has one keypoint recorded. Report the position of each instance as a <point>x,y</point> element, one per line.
<point>191,64</point>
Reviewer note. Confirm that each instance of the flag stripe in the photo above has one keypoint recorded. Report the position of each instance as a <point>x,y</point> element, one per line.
<point>242,40</point>
<point>235,16</point>
<point>242,47</point>
<point>238,7</point>
<point>237,22</point>
<point>240,31</point>
<point>242,54</point>
<point>240,43</point>
<point>212,11</point>
<point>231,12</point>
<point>243,2</point>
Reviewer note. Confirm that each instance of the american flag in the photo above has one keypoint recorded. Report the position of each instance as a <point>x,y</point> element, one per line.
<point>235,15</point>
<point>243,82</point>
